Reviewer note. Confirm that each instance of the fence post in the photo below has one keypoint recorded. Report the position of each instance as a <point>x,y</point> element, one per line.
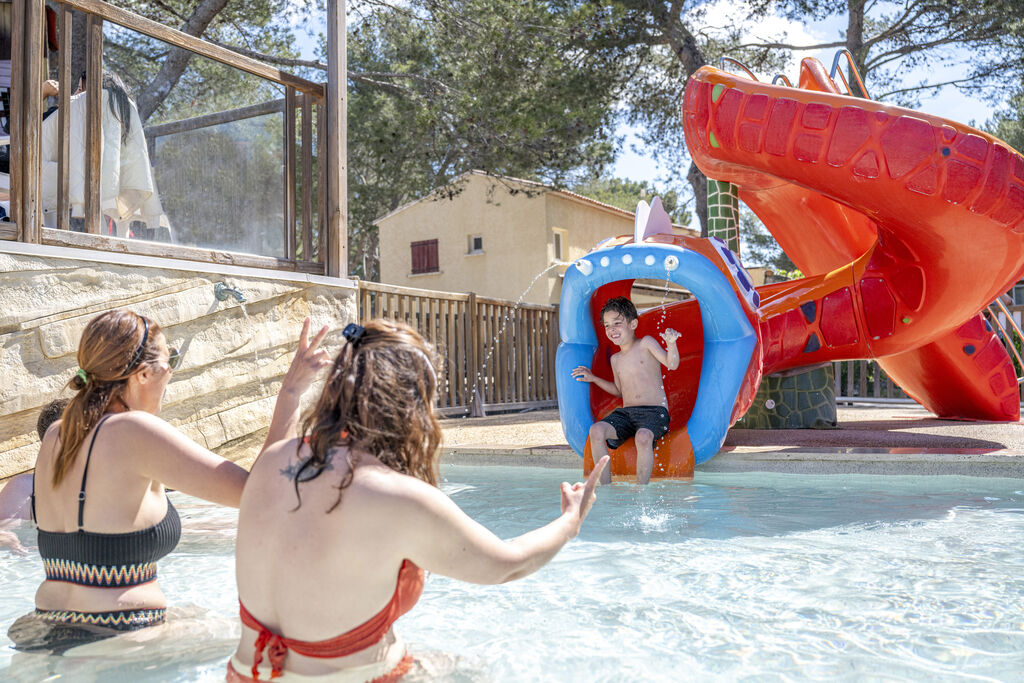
<point>476,401</point>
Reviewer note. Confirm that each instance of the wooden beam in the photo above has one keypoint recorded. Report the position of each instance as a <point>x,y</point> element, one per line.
<point>31,115</point>
<point>17,114</point>
<point>63,119</point>
<point>8,231</point>
<point>398,289</point>
<point>65,238</point>
<point>289,173</point>
<point>195,45</point>
<point>93,121</point>
<point>307,179</point>
<point>321,184</point>
<point>337,142</point>
<point>215,119</point>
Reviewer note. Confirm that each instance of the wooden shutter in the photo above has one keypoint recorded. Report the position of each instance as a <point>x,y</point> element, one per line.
<point>424,257</point>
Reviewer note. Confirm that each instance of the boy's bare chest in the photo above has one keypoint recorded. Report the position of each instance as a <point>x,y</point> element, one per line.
<point>636,361</point>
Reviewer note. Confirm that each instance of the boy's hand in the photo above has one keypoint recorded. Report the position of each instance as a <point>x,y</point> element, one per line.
<point>583,374</point>
<point>670,336</point>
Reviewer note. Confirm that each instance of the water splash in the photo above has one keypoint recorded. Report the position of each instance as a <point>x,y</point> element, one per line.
<point>255,349</point>
<point>664,299</point>
<point>475,393</point>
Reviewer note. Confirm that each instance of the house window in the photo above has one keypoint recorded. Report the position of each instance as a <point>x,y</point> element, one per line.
<point>475,244</point>
<point>561,238</point>
<point>1018,294</point>
<point>424,257</point>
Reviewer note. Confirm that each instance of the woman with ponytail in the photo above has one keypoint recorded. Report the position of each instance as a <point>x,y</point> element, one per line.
<point>338,525</point>
<point>99,499</point>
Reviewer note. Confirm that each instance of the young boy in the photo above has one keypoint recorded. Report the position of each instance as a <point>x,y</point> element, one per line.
<point>636,370</point>
<point>15,496</point>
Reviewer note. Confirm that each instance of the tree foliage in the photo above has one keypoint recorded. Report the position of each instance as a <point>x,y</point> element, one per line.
<point>967,44</point>
<point>758,247</point>
<point>465,87</point>
<point>625,194</point>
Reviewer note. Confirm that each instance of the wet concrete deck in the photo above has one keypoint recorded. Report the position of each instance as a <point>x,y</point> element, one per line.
<point>889,439</point>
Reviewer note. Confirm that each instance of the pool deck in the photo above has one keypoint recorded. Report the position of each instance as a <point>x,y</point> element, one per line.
<point>888,439</point>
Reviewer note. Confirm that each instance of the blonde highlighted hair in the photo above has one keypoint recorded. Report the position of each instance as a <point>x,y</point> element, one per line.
<point>114,346</point>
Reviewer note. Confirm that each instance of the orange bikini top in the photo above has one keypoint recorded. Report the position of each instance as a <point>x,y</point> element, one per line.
<point>407,592</point>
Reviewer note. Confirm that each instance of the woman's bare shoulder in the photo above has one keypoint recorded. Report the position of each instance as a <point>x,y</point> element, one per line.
<point>379,480</point>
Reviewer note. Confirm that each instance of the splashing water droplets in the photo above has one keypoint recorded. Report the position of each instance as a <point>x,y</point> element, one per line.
<point>477,394</point>
<point>255,348</point>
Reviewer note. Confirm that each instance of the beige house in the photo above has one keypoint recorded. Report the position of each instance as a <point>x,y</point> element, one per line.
<point>495,237</point>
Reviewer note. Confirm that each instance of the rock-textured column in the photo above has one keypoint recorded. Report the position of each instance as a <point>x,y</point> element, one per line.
<point>724,213</point>
<point>804,400</point>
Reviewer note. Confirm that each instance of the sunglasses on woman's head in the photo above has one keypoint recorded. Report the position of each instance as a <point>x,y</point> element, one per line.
<point>173,359</point>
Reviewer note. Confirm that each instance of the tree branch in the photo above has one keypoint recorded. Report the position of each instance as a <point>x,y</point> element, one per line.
<point>177,59</point>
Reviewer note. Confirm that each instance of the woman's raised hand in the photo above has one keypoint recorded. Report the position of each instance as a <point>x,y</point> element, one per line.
<point>578,498</point>
<point>309,360</point>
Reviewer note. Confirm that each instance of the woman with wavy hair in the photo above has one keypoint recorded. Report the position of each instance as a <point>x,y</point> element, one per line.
<point>337,527</point>
<point>99,500</point>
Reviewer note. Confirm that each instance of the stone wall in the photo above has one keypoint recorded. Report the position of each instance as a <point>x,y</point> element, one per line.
<point>223,393</point>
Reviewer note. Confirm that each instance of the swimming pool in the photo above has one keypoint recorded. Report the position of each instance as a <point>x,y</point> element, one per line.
<point>777,576</point>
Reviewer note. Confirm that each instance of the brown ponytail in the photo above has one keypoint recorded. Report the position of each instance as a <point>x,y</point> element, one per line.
<point>114,346</point>
<point>379,398</point>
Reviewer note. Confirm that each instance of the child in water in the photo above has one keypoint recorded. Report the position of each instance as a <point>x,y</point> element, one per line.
<point>636,371</point>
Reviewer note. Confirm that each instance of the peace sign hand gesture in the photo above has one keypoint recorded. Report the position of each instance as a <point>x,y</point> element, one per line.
<point>309,360</point>
<point>579,498</point>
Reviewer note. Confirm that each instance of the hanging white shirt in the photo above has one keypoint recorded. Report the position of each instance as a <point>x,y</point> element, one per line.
<point>127,188</point>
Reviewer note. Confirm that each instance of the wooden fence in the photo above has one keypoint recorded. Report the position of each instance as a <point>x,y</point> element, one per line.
<point>500,355</point>
<point>496,354</point>
<point>864,380</point>
<point>861,380</point>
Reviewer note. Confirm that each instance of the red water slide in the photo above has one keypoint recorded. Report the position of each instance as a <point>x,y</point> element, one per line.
<point>907,225</point>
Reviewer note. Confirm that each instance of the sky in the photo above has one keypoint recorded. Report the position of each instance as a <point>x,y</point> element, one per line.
<point>642,164</point>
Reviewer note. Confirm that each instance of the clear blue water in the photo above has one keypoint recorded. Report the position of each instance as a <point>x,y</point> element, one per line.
<point>734,576</point>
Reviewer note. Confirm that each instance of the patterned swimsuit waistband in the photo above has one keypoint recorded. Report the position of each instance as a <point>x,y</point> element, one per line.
<point>102,576</point>
<point>127,620</point>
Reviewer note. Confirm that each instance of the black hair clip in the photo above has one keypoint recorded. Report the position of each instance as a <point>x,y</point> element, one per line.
<point>353,333</point>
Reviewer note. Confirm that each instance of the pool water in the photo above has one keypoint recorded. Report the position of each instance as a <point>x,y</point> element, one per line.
<point>732,576</point>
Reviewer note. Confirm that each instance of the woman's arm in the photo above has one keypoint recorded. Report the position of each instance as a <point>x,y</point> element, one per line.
<point>308,361</point>
<point>160,452</point>
<point>447,541</point>
<point>166,455</point>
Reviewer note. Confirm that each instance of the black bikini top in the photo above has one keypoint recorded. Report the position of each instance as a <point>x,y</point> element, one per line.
<point>88,558</point>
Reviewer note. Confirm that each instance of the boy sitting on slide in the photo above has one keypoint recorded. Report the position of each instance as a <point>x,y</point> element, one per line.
<point>636,370</point>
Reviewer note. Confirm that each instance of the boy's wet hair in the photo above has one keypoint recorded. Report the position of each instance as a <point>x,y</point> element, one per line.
<point>50,413</point>
<point>622,306</point>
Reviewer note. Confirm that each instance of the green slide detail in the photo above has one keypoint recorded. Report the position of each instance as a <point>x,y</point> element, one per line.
<point>724,213</point>
<point>806,400</point>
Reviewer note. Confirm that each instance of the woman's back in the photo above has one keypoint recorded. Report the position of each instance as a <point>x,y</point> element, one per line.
<point>118,499</point>
<point>313,575</point>
<point>321,582</point>
<point>94,521</point>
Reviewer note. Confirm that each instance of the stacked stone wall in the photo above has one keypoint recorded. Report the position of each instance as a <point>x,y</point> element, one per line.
<point>222,395</point>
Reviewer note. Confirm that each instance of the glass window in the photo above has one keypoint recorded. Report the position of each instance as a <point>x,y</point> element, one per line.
<point>560,246</point>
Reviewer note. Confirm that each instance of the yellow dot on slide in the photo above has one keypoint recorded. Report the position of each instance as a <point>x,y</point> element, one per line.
<point>716,92</point>
<point>714,140</point>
